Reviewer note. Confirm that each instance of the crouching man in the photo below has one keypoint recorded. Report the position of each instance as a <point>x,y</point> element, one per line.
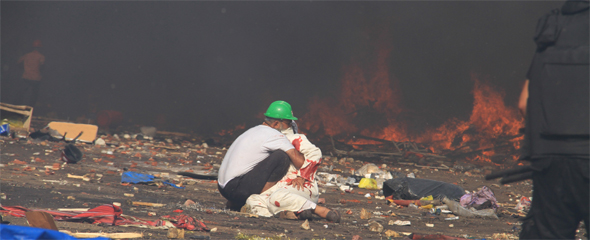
<point>258,158</point>
<point>296,195</point>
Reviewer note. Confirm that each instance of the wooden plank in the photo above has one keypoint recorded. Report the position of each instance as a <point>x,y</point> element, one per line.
<point>148,204</point>
<point>107,235</point>
<point>73,129</point>
<point>73,209</point>
<point>173,133</point>
<point>41,220</point>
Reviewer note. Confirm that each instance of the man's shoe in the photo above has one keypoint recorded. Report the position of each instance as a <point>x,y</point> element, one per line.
<point>333,216</point>
<point>305,215</point>
<point>232,206</point>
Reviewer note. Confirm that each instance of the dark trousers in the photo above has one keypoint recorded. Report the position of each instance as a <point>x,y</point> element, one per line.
<point>27,92</point>
<point>271,169</point>
<point>560,199</point>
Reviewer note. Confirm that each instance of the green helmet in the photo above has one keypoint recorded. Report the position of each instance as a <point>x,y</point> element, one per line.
<point>280,110</point>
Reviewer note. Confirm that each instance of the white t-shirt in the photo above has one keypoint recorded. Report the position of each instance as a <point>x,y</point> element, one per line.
<point>249,149</point>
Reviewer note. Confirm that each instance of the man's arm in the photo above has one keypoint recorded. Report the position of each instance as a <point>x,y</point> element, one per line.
<point>524,96</point>
<point>296,158</point>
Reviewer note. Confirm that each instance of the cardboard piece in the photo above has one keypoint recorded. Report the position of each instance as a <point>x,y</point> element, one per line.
<point>148,204</point>
<point>175,233</point>
<point>41,220</point>
<point>73,129</point>
<point>19,116</point>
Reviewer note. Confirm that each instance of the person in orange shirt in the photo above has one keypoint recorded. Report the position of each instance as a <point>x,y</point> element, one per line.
<point>31,77</point>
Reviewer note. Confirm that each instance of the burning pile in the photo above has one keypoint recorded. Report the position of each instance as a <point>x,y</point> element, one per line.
<point>366,114</point>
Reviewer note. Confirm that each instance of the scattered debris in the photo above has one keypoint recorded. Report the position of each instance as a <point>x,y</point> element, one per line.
<point>416,188</point>
<point>305,225</point>
<point>174,233</point>
<point>401,223</point>
<point>41,220</point>
<point>87,132</point>
<point>107,235</point>
<point>375,226</point>
<point>366,214</point>
<point>457,209</point>
<point>392,234</point>
<point>148,204</point>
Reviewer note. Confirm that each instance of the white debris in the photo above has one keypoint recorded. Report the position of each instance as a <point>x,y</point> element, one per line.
<point>401,223</point>
<point>100,142</point>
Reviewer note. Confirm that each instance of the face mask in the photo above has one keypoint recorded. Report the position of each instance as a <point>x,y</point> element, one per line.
<point>281,127</point>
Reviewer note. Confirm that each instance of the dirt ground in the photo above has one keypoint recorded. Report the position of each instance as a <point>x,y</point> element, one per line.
<point>30,185</point>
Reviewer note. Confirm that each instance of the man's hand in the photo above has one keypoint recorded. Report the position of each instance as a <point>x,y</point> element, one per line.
<point>524,96</point>
<point>298,183</point>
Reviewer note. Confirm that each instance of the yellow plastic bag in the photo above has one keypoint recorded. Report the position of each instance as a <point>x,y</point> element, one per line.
<point>427,198</point>
<point>368,183</point>
<point>429,206</point>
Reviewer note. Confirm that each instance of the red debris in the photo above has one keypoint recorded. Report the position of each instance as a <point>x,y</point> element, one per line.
<point>16,161</point>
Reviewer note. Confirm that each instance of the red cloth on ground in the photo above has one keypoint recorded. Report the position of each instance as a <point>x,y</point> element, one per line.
<point>110,214</point>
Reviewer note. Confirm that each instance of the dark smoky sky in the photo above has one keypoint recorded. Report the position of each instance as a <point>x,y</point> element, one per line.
<point>207,66</point>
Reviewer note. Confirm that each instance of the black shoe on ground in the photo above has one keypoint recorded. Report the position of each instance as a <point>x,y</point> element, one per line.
<point>305,215</point>
<point>333,216</point>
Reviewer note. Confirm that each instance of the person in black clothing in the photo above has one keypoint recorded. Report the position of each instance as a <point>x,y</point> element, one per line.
<point>556,102</point>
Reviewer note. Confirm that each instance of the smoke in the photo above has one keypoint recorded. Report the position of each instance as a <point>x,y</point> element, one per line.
<point>207,66</point>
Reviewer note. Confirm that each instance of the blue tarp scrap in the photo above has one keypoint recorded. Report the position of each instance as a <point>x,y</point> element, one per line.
<point>135,177</point>
<point>9,232</point>
<point>4,129</point>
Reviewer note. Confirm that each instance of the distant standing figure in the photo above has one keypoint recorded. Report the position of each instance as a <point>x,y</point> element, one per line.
<point>31,78</point>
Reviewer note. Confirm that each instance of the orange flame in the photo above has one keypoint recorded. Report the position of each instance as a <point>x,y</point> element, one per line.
<point>490,118</point>
<point>371,91</point>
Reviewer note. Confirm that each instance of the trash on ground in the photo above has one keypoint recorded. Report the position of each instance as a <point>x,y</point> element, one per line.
<point>328,179</point>
<point>392,234</point>
<point>416,236</point>
<point>482,199</point>
<point>24,232</point>
<point>4,129</point>
<point>41,220</point>
<point>88,131</point>
<point>368,183</point>
<point>112,214</point>
<point>365,214</point>
<point>18,117</point>
<point>148,204</point>
<point>135,177</point>
<point>106,235</point>
<point>504,236</point>
<point>523,204</point>
<point>305,225</point>
<point>174,233</point>
<point>401,223</point>
<point>457,209</point>
<point>71,154</point>
<point>416,188</point>
<point>375,226</point>
<point>367,169</point>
